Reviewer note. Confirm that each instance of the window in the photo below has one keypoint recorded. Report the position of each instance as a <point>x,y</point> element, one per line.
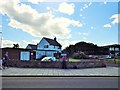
<point>59,47</point>
<point>46,46</point>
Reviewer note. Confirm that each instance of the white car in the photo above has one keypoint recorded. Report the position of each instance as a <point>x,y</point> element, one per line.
<point>49,59</point>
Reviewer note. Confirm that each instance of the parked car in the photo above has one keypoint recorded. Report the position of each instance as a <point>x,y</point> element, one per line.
<point>49,59</point>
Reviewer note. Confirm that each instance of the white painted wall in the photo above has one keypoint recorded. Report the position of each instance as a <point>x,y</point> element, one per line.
<point>39,54</point>
<point>43,43</point>
<point>46,51</point>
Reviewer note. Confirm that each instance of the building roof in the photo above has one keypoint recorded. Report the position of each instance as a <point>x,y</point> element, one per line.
<point>34,47</point>
<point>52,42</point>
<point>114,45</point>
<point>10,48</point>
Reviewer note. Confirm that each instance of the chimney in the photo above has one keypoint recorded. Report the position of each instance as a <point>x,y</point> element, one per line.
<point>55,38</point>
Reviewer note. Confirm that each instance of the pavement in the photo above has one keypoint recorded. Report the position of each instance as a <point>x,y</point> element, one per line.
<point>107,71</point>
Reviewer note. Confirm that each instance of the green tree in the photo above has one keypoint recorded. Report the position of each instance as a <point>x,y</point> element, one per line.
<point>16,45</point>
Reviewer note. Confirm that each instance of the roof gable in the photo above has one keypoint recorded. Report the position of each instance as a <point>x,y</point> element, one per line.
<point>34,47</point>
<point>52,42</point>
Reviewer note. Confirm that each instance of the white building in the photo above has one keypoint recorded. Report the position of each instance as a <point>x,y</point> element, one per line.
<point>47,47</point>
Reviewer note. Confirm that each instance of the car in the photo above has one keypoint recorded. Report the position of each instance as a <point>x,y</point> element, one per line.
<point>49,59</point>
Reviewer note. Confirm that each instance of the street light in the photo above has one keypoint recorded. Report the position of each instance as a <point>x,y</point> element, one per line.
<point>1,40</point>
<point>1,45</point>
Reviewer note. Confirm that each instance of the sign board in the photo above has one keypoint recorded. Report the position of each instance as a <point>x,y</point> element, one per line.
<point>63,54</point>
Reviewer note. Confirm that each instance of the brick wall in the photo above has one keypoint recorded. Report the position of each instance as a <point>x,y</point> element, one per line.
<point>13,53</point>
<point>57,64</point>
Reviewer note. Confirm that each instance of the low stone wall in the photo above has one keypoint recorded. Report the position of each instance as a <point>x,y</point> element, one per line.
<point>56,64</point>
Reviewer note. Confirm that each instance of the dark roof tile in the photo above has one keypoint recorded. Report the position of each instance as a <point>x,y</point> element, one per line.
<point>52,42</point>
<point>33,46</point>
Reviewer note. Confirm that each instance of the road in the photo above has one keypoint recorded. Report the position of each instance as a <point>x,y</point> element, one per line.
<point>58,82</point>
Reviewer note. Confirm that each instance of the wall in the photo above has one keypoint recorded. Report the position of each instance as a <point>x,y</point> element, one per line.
<point>13,53</point>
<point>57,64</point>
<point>46,51</point>
<point>43,42</point>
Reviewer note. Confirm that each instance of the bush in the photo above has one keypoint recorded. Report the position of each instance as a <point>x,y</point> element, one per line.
<point>80,55</point>
<point>74,67</point>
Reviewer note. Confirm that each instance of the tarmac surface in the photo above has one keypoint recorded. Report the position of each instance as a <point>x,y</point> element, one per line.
<point>60,82</point>
<point>106,71</point>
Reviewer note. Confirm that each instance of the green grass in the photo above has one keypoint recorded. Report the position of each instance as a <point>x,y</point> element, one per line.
<point>73,60</point>
<point>113,60</point>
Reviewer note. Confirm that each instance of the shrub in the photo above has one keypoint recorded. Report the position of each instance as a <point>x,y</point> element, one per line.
<point>80,55</point>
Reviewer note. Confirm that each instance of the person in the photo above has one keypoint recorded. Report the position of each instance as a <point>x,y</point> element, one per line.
<point>64,66</point>
<point>1,64</point>
<point>5,60</point>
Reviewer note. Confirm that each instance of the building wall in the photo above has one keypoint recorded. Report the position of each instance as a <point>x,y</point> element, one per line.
<point>114,51</point>
<point>13,53</point>
<point>44,45</point>
<point>44,48</point>
<point>39,54</point>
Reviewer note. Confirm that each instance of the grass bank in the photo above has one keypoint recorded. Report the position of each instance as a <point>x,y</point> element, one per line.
<point>73,60</point>
<point>113,61</point>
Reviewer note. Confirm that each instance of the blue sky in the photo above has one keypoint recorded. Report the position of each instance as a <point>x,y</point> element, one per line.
<point>71,22</point>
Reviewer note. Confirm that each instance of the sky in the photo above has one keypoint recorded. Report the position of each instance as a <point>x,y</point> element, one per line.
<point>28,21</point>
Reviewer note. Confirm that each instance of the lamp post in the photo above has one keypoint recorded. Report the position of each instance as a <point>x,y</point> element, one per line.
<point>0,40</point>
<point>1,45</point>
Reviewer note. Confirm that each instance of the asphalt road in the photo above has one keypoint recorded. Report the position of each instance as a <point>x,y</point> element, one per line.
<point>60,82</point>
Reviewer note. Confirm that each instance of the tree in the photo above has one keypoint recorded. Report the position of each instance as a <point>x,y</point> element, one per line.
<point>80,55</point>
<point>15,45</point>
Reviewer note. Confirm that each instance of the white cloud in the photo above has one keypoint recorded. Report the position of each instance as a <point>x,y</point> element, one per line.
<point>48,8</point>
<point>90,4</point>
<point>84,38</point>
<point>85,34</point>
<point>8,43</point>
<point>105,2</point>
<point>86,6</point>
<point>107,26</point>
<point>92,27</point>
<point>27,19</point>
<point>24,43</point>
<point>66,43</point>
<point>35,1</point>
<point>116,20</point>
<point>66,8</point>
<point>81,9</point>
<point>81,15</point>
<point>0,26</point>
<point>115,17</point>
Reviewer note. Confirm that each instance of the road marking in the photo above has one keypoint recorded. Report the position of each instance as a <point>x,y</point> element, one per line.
<point>61,77</point>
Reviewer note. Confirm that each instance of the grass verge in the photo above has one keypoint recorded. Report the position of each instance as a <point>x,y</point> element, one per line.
<point>73,60</point>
